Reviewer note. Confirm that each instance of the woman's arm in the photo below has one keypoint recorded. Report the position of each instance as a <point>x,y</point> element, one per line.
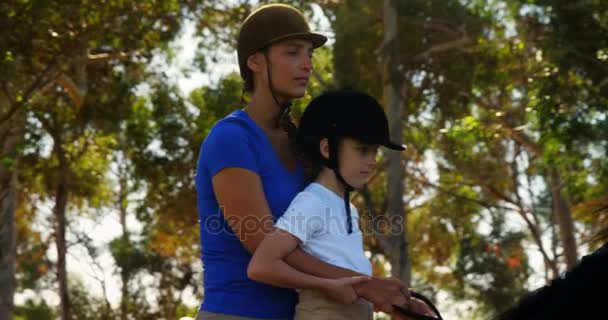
<point>241,197</point>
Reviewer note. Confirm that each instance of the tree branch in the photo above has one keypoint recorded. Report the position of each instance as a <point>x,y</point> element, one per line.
<point>99,58</point>
<point>515,133</point>
<point>537,239</point>
<point>381,238</point>
<point>30,91</point>
<point>436,26</point>
<point>72,90</point>
<point>9,97</point>
<point>442,47</point>
<point>534,227</point>
<point>456,195</point>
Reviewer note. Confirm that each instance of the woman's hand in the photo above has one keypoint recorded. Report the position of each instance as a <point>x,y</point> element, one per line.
<point>384,293</point>
<point>415,305</point>
<point>341,289</point>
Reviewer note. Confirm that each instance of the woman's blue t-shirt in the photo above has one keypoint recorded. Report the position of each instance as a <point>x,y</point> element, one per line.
<point>236,141</point>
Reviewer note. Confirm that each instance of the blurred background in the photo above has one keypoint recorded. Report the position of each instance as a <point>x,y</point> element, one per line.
<point>104,106</point>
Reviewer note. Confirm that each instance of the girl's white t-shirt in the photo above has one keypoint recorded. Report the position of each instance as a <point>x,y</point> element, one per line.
<point>317,217</point>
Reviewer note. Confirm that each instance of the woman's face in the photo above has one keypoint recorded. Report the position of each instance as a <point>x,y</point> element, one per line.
<point>290,67</point>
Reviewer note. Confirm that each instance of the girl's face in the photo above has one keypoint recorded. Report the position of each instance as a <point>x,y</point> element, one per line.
<point>356,160</point>
<point>290,67</point>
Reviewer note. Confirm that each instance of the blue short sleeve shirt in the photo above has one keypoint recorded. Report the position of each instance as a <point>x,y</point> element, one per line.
<point>236,141</point>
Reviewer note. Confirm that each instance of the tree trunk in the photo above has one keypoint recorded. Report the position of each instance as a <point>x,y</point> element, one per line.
<point>563,217</point>
<point>8,181</point>
<point>392,86</point>
<point>11,134</point>
<point>123,192</point>
<point>166,299</point>
<point>61,200</point>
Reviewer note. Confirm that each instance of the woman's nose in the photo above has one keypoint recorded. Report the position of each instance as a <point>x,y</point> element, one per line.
<point>307,63</point>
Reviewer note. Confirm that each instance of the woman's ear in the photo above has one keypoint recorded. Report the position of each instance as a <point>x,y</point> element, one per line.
<point>255,62</point>
<point>324,148</point>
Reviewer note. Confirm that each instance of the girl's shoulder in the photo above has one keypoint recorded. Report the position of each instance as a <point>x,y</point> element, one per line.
<point>306,198</point>
<point>307,202</point>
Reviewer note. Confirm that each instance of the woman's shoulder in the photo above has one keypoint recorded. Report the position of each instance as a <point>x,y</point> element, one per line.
<point>234,123</point>
<point>234,128</point>
<point>231,142</point>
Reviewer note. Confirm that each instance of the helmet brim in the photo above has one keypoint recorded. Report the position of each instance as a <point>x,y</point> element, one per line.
<point>394,146</point>
<point>385,142</point>
<point>316,38</point>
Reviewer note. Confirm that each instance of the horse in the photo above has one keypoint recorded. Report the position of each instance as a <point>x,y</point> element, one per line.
<point>579,293</point>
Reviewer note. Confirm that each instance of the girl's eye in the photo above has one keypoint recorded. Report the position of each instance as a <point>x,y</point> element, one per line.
<point>367,150</point>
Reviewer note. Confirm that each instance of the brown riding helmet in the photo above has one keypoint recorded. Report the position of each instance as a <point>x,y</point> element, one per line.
<point>269,24</point>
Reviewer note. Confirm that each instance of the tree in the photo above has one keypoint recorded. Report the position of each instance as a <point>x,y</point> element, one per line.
<point>63,50</point>
<point>395,96</point>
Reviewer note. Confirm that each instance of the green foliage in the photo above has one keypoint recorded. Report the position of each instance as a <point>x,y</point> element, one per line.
<point>492,269</point>
<point>356,65</point>
<point>32,263</point>
<point>129,257</point>
<point>32,310</point>
<point>85,305</point>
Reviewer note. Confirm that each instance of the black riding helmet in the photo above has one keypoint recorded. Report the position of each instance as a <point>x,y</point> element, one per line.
<point>338,114</point>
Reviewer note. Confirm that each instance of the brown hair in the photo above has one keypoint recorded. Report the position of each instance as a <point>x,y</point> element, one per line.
<point>247,80</point>
<point>286,123</point>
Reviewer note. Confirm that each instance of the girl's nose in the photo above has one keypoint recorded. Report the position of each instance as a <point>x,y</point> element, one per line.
<point>373,160</point>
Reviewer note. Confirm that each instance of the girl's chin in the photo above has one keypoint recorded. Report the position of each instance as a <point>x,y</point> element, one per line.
<point>358,185</point>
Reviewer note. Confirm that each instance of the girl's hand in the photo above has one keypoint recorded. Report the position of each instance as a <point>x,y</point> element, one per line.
<point>341,289</point>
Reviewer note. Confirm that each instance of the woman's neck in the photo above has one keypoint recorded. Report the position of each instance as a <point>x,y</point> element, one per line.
<point>328,179</point>
<point>263,109</point>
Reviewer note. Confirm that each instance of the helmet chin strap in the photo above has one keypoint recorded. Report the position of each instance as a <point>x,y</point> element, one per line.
<point>284,107</point>
<point>332,163</point>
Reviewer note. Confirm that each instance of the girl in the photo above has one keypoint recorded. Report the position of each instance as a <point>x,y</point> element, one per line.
<point>338,138</point>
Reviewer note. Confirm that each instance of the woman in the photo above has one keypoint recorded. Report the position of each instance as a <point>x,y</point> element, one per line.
<point>247,175</point>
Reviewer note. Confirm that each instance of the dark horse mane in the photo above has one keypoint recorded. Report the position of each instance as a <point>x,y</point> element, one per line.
<point>581,293</point>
